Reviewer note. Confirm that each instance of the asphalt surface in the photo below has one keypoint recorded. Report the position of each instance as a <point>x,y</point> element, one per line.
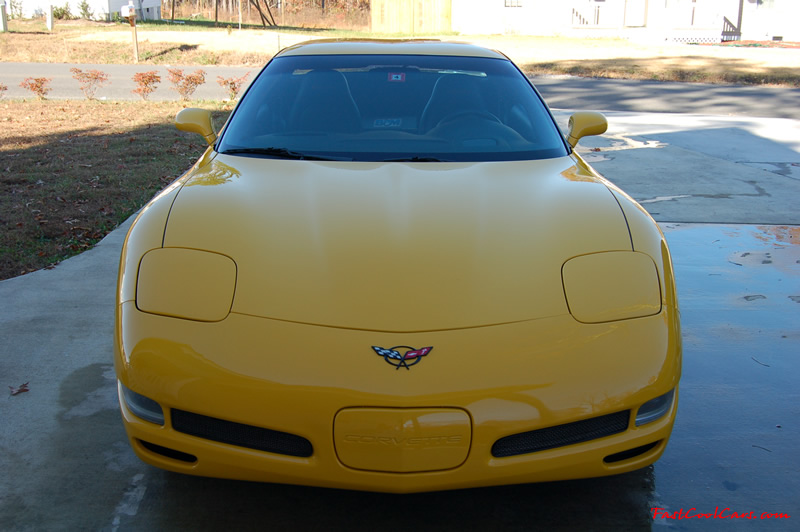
<point>563,92</point>
<point>121,85</point>
<point>568,92</point>
<point>723,188</point>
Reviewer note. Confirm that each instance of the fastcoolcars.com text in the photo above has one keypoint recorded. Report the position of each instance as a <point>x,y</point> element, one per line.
<point>725,513</point>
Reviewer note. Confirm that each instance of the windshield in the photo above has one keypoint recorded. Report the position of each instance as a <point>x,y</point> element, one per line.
<point>392,108</point>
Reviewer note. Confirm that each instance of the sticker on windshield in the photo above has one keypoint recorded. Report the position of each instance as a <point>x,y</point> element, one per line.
<point>388,122</point>
<point>397,76</point>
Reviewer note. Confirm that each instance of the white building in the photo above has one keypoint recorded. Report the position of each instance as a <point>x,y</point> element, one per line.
<point>672,20</point>
<point>675,20</point>
<point>101,9</point>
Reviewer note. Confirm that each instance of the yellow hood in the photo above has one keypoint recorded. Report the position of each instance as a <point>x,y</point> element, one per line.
<point>397,246</point>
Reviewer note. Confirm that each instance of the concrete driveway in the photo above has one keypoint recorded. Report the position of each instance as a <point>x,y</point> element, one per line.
<point>724,189</point>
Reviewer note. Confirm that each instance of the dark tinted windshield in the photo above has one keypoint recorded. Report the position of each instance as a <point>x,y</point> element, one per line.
<point>378,108</point>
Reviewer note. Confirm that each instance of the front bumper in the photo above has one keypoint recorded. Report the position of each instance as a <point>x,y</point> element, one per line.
<point>296,379</point>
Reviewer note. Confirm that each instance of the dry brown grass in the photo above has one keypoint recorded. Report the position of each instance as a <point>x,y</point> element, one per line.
<point>755,64</point>
<point>686,68</point>
<point>199,43</point>
<point>111,44</point>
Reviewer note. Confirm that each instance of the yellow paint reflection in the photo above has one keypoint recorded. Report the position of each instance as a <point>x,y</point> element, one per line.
<point>216,173</point>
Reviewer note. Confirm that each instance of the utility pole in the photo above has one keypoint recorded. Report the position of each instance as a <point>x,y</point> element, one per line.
<point>739,22</point>
<point>3,19</point>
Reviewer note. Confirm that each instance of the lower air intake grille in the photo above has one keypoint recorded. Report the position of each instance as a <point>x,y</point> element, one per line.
<point>561,435</point>
<point>261,439</point>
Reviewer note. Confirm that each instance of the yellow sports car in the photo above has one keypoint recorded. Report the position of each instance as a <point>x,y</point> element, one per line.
<point>390,271</point>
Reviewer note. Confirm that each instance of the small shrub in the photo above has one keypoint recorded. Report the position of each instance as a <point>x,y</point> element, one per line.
<point>232,85</point>
<point>3,88</point>
<point>38,86</point>
<point>208,59</point>
<point>86,10</point>
<point>62,13</point>
<point>90,81</point>
<point>146,83</point>
<point>186,84</point>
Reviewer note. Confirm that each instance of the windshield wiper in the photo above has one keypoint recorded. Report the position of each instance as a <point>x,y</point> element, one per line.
<point>282,153</point>
<point>416,160</point>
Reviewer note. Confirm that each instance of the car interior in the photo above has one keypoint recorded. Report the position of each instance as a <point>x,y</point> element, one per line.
<point>402,110</point>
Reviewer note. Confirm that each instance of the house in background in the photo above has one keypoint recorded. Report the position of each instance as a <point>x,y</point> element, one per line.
<point>411,16</point>
<point>658,20</point>
<point>145,9</point>
<point>101,9</point>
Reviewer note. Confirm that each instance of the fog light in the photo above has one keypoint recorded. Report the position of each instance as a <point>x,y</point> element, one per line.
<point>142,406</point>
<point>654,408</point>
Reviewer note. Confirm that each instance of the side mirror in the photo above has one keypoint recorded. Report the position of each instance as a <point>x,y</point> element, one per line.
<point>584,124</point>
<point>196,121</point>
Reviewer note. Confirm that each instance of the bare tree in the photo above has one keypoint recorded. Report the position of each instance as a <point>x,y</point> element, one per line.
<point>266,18</point>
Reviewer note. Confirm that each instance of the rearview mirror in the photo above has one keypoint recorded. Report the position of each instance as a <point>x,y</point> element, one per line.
<point>584,124</point>
<point>196,121</point>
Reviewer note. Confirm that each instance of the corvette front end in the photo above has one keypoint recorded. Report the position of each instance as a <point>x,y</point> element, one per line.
<point>548,385</point>
<point>404,324</point>
<point>547,375</point>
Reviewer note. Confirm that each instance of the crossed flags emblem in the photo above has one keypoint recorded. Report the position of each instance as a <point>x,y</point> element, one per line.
<point>406,359</point>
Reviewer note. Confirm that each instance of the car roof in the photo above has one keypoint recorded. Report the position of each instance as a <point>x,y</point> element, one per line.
<point>389,47</point>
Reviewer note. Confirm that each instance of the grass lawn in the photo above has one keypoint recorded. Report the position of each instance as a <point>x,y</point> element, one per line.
<point>71,171</point>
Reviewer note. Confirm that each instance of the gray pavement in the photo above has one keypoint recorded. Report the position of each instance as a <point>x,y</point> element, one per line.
<point>565,92</point>
<point>702,168</point>
<point>65,463</point>
<point>121,85</point>
<point>669,97</point>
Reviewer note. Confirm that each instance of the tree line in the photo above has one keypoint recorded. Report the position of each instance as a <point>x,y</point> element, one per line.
<point>263,10</point>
